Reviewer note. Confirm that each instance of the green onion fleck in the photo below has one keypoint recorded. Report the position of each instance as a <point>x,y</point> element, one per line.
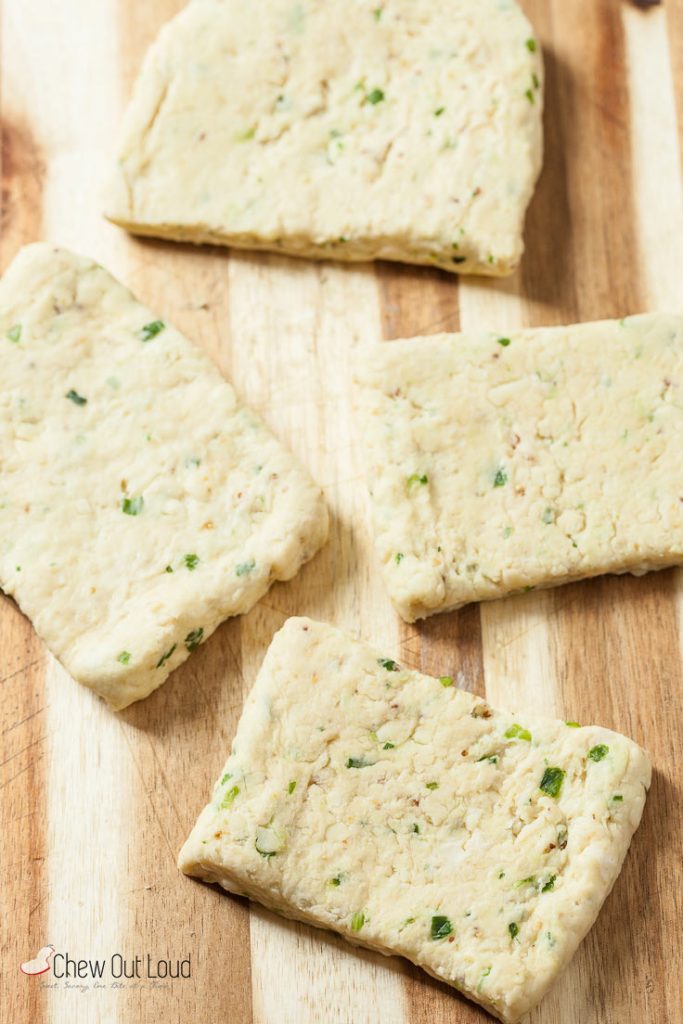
<point>531,45</point>
<point>416,829</point>
<point>151,330</point>
<point>529,95</point>
<point>504,342</point>
<point>439,111</point>
<point>516,732</point>
<point>228,775</point>
<point>432,785</point>
<point>229,797</point>
<point>446,680</point>
<point>398,557</point>
<point>549,885</point>
<point>133,506</point>
<point>375,97</point>
<point>388,746</point>
<point>573,725</point>
<point>74,397</point>
<point>440,927</point>
<point>417,478</point>
<point>164,657</point>
<point>14,334</point>
<point>194,638</point>
<point>124,657</point>
<point>388,664</point>
<point>599,752</point>
<point>513,929</point>
<point>291,787</point>
<point>617,798</point>
<point>551,782</point>
<point>336,882</point>
<point>358,762</point>
<point>500,479</point>
<point>357,921</point>
<point>244,568</point>
<point>191,562</point>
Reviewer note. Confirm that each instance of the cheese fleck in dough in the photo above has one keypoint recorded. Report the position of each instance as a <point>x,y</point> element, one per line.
<point>501,463</point>
<point>412,818</point>
<point>140,503</point>
<point>408,130</point>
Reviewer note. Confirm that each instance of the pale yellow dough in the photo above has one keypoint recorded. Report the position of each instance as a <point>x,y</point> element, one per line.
<point>140,503</point>
<point>410,817</point>
<point>351,129</point>
<point>499,463</point>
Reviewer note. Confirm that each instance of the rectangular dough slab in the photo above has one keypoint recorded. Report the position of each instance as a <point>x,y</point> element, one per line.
<point>412,818</point>
<point>408,130</point>
<point>502,463</point>
<point>140,503</point>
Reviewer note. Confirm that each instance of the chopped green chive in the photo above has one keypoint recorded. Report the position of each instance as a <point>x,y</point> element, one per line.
<point>398,557</point>
<point>551,782</point>
<point>151,330</point>
<point>504,342</point>
<point>164,657</point>
<point>194,638</point>
<point>14,334</point>
<point>74,397</point>
<point>377,13</point>
<point>484,974</point>
<point>432,785</point>
<point>500,479</point>
<point>513,929</point>
<point>536,81</point>
<point>516,732</point>
<point>573,725</point>
<point>439,111</point>
<point>417,478</point>
<point>440,927</point>
<point>124,657</point>
<point>531,45</point>
<point>531,880</point>
<point>191,562</point>
<point>374,97</point>
<point>357,921</point>
<point>228,775</point>
<point>168,568</point>
<point>388,746</point>
<point>388,664</point>
<point>416,829</point>
<point>446,680</point>
<point>229,797</point>
<point>459,259</point>
<point>358,762</point>
<point>133,506</point>
<point>599,752</point>
<point>548,516</point>
<point>617,798</point>
<point>549,885</point>
<point>336,882</point>
<point>291,787</point>
<point>244,568</point>
<point>529,95</point>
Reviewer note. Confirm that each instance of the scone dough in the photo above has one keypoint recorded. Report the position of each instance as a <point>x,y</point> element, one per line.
<point>503,462</point>
<point>140,503</point>
<point>412,818</point>
<point>352,130</point>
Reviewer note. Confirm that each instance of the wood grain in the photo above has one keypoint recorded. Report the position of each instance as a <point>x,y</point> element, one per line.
<point>94,806</point>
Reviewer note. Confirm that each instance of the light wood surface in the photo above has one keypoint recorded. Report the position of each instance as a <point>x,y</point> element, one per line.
<point>94,806</point>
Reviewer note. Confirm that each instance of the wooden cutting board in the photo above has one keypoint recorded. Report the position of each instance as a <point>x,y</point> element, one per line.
<point>95,805</point>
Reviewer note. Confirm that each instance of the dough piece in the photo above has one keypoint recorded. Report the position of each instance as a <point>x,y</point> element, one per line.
<point>502,463</point>
<point>410,817</point>
<point>406,130</point>
<point>140,504</point>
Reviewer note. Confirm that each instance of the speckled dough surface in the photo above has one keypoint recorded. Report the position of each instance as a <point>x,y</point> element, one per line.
<point>503,463</point>
<point>412,818</point>
<point>140,503</point>
<point>407,130</point>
